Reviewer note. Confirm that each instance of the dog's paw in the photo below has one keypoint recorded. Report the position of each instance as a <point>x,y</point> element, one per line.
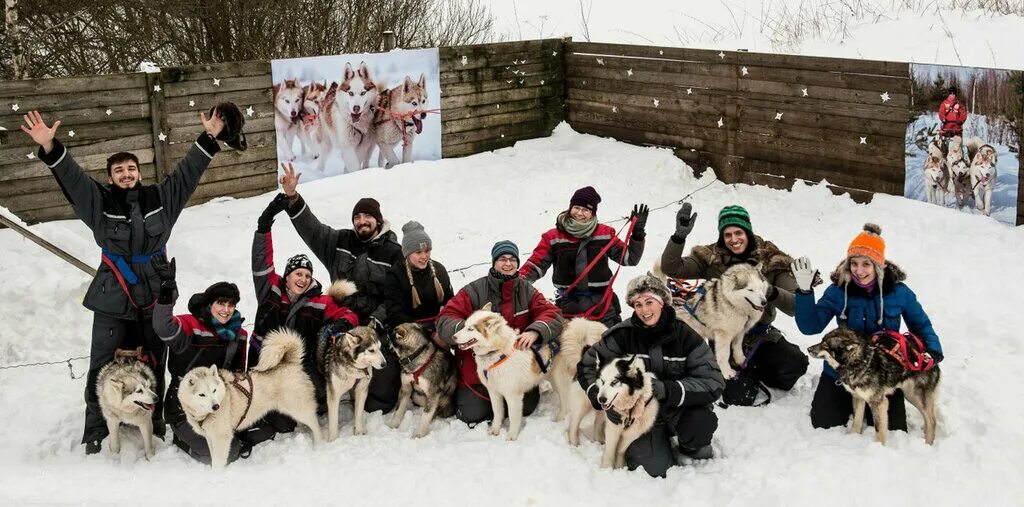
<point>495,430</point>
<point>115,447</point>
<point>420,433</point>
<point>512,436</point>
<point>358,431</point>
<point>729,373</point>
<point>394,423</point>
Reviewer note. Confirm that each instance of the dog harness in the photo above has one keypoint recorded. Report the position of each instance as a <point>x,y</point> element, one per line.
<point>915,358</point>
<point>628,420</point>
<point>404,362</point>
<point>247,392</point>
<point>606,299</point>
<point>553,345</point>
<point>691,308</point>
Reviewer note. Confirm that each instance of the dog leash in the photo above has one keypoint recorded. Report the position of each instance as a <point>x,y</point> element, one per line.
<point>247,393</point>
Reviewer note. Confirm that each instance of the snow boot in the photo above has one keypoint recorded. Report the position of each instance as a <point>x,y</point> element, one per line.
<point>93,447</point>
<point>705,452</point>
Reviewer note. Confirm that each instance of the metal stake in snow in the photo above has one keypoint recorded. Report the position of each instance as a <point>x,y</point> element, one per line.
<point>54,249</point>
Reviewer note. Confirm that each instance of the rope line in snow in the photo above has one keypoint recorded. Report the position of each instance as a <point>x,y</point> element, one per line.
<point>71,368</point>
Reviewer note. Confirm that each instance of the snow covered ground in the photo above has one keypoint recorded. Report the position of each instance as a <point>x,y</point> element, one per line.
<point>1004,198</point>
<point>926,32</point>
<point>768,456</point>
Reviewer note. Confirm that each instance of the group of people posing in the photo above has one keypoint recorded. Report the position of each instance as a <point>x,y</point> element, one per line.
<point>134,292</point>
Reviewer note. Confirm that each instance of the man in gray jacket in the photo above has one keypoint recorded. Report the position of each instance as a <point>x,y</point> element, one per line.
<point>131,223</point>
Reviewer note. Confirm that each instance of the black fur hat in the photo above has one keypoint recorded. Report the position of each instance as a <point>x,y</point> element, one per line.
<point>234,121</point>
<point>219,290</point>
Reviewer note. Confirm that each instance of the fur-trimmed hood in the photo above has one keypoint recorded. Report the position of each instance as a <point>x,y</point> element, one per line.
<point>341,290</point>
<point>771,259</point>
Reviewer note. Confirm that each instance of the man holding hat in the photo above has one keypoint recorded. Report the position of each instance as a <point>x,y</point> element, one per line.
<point>363,255</point>
<point>131,223</point>
<point>522,306</point>
<point>776,362</point>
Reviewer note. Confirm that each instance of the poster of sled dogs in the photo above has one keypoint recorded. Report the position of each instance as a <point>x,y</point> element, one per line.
<point>963,139</point>
<point>343,113</point>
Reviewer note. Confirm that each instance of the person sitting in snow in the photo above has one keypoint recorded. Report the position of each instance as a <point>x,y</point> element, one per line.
<point>362,254</point>
<point>416,289</point>
<point>210,334</point>
<point>688,379</point>
<point>295,300</point>
<point>952,116</point>
<point>522,306</point>
<point>776,362</point>
<point>575,241</point>
<point>867,294</point>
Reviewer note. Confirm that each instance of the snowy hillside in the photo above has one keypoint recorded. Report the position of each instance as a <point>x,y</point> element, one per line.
<point>963,268</point>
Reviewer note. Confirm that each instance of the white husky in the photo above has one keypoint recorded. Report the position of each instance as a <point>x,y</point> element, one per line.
<point>127,394</point>
<point>289,98</point>
<point>347,113</point>
<point>983,174</point>
<point>217,403</point>
<point>938,181</point>
<point>723,310</point>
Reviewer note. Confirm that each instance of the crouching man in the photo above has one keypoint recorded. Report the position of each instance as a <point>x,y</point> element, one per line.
<point>689,380</point>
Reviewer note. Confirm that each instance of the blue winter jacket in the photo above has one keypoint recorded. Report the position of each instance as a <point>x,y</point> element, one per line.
<point>845,300</point>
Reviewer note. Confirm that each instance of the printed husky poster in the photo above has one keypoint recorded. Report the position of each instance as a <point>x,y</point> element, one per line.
<point>339,114</point>
<point>963,141</point>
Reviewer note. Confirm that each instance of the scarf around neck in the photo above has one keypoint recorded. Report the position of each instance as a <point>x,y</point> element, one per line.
<point>228,331</point>
<point>576,228</point>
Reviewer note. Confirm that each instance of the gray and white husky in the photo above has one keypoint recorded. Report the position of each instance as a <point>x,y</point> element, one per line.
<point>127,394</point>
<point>217,402</point>
<point>729,307</point>
<point>428,377</point>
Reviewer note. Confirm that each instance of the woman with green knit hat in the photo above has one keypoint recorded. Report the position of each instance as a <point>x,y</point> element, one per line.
<point>776,362</point>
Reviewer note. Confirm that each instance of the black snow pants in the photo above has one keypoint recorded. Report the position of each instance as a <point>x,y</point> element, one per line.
<point>474,407</point>
<point>653,450</point>
<point>833,405</point>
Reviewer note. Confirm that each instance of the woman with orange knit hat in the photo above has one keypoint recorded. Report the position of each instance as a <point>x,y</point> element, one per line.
<point>867,295</point>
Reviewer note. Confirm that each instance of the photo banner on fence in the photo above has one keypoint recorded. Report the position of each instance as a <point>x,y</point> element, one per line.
<point>343,113</point>
<point>963,141</point>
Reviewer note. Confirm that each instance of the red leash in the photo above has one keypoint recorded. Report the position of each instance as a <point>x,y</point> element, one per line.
<point>606,298</point>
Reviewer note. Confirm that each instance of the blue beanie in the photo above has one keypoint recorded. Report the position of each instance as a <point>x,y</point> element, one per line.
<point>504,247</point>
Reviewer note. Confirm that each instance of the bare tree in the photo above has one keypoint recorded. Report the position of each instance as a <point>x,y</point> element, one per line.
<point>14,34</point>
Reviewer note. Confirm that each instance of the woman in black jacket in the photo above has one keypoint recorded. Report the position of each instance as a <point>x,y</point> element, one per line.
<point>417,288</point>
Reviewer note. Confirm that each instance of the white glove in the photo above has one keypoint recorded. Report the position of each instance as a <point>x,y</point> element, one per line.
<point>803,272</point>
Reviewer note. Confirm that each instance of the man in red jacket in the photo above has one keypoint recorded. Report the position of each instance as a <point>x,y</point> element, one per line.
<point>522,305</point>
<point>952,115</point>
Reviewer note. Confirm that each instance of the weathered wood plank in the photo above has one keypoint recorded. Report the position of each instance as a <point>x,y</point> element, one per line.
<point>513,71</point>
<point>43,181</point>
<point>454,90</point>
<point>112,99</point>
<point>177,151</point>
<point>70,117</point>
<point>84,133</point>
<point>525,130</point>
<point>48,215</point>
<point>190,132</point>
<point>263,182</point>
<point>64,85</point>
<point>897,99</point>
<point>549,89</point>
<point>497,54</point>
<point>641,78</point>
<point>459,113</point>
<point>18,156</point>
<point>257,98</point>
<point>647,118</point>
<point>215,70</point>
<point>700,112</point>
<point>493,120</point>
<point>814,167</point>
<point>207,86</point>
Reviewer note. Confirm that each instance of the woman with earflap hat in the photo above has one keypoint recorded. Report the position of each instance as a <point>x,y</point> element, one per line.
<point>867,294</point>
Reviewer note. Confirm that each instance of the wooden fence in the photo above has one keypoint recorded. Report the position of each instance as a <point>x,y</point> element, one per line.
<point>755,118</point>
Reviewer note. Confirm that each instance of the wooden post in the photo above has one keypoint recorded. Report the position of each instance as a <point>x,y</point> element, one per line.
<point>50,247</point>
<point>159,125</point>
<point>389,40</point>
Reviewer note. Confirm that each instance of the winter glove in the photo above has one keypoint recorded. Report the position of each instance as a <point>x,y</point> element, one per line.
<point>592,396</point>
<point>165,271</point>
<point>937,356</point>
<point>640,211</point>
<point>804,274</point>
<point>773,293</point>
<point>613,416</point>
<point>266,220</point>
<point>685,219</point>
<point>659,389</point>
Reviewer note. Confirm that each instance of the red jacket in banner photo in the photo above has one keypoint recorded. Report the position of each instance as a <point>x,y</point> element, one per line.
<point>952,115</point>
<point>522,306</point>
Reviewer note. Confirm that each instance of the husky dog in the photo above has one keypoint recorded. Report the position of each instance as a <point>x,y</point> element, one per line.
<point>983,176</point>
<point>315,142</point>
<point>577,335</point>
<point>625,386</point>
<point>955,150</point>
<point>428,377</point>
<point>961,175</point>
<point>399,117</point>
<point>728,307</point>
<point>289,98</point>
<point>347,116</point>
<point>507,372</point>
<point>217,403</point>
<point>348,359</point>
<point>937,178</point>
<point>126,392</point>
<point>870,374</point>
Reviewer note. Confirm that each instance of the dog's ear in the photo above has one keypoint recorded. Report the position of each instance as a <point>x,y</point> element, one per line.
<point>213,370</point>
<point>491,321</point>
<point>191,381</point>
<point>348,73</point>
<point>364,71</point>
<point>407,86</point>
<point>636,363</point>
<point>351,340</point>
<point>423,80</point>
<point>487,307</point>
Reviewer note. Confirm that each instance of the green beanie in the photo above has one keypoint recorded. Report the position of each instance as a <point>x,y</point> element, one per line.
<point>734,215</point>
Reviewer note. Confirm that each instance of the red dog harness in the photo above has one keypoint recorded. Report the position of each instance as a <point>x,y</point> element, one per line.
<point>914,358</point>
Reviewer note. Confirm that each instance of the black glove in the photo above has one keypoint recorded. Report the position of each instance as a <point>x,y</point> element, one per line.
<point>592,396</point>
<point>685,218</point>
<point>937,356</point>
<point>613,416</point>
<point>773,293</point>
<point>659,389</point>
<point>165,271</point>
<point>266,220</point>
<point>640,211</point>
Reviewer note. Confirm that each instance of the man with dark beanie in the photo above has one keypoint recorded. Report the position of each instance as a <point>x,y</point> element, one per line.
<point>131,223</point>
<point>417,288</point>
<point>522,306</point>
<point>576,240</point>
<point>363,255</point>
<point>776,362</point>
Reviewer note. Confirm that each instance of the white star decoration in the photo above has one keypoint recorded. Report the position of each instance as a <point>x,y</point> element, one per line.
<point>108,112</point>
<point>554,53</point>
<point>744,71</point>
<point>804,91</point>
<point>521,81</point>
<point>863,140</point>
<point>600,61</point>
<point>778,116</point>
<point>721,123</point>
<point>465,60</point>
<point>249,111</point>
<point>660,52</point>
<point>541,81</point>
<point>503,136</point>
<point>615,109</point>
<point>31,155</point>
<point>509,81</point>
<point>629,72</point>
<point>689,91</point>
<point>498,106</point>
<point>516,72</point>
<point>721,54</point>
<point>522,62</point>
<point>162,137</point>
<point>71,133</point>
<point>191,103</point>
<point>657,103</point>
<point>15,107</point>
<point>216,81</point>
<point>156,88</point>
<point>885,97</point>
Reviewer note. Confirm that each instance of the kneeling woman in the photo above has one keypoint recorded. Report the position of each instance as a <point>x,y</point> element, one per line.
<point>867,295</point>
<point>688,378</point>
<point>210,334</point>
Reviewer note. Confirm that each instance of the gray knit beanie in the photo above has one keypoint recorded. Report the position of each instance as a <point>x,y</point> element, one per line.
<point>414,238</point>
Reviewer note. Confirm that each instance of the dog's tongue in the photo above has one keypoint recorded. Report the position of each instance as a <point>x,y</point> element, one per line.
<point>419,124</point>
